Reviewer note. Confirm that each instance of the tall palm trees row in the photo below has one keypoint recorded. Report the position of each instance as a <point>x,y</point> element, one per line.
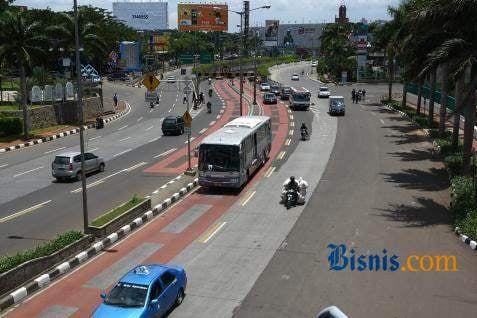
<point>435,41</point>
<point>32,38</point>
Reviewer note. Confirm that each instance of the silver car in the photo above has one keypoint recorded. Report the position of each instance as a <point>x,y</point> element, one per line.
<point>68,165</point>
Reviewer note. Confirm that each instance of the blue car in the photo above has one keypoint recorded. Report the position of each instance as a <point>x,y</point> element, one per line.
<point>145,291</point>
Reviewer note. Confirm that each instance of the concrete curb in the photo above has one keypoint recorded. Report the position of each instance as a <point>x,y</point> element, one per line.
<point>464,238</point>
<point>44,280</point>
<point>65,133</point>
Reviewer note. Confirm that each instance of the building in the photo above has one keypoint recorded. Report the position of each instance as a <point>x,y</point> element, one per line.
<point>144,16</point>
<point>341,19</point>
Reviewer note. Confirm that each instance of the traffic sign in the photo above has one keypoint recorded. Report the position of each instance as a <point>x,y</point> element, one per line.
<point>151,96</point>
<point>187,118</point>
<point>187,129</point>
<point>187,90</point>
<point>151,82</point>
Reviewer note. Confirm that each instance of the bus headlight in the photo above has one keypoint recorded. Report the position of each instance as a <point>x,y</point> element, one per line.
<point>201,174</point>
<point>234,180</point>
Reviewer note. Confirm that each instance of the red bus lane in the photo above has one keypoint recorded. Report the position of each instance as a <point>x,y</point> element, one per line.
<point>77,294</point>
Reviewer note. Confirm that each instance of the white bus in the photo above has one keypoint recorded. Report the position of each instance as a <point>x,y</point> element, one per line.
<point>229,156</point>
<point>300,98</point>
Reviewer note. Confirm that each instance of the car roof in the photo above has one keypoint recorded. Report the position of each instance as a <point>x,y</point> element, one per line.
<point>145,274</point>
<point>69,154</point>
<point>324,87</point>
<point>234,132</point>
<point>172,117</point>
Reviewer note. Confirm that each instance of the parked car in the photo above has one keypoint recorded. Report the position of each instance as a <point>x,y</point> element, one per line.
<point>145,291</point>
<point>173,124</point>
<point>117,77</point>
<point>171,79</point>
<point>264,87</point>
<point>68,165</point>
<point>95,79</point>
<point>324,92</point>
<point>285,93</point>
<point>275,89</point>
<point>295,77</point>
<point>314,64</point>
<point>270,98</point>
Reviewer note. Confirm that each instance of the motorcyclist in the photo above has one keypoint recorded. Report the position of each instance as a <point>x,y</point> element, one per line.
<point>99,122</point>
<point>292,185</point>
<point>304,129</point>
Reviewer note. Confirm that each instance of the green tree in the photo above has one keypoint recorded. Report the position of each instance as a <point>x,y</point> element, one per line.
<point>20,41</point>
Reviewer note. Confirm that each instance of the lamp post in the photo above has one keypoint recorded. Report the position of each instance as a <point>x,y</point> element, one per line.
<point>244,39</point>
<point>81,118</point>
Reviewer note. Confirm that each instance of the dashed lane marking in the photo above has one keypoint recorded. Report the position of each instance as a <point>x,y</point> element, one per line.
<point>57,149</point>
<point>3,166</point>
<point>21,174</point>
<point>212,123</point>
<point>122,152</point>
<point>191,139</point>
<point>97,137</point>
<point>291,132</point>
<point>269,172</point>
<point>210,233</point>
<point>20,213</point>
<point>154,139</point>
<point>287,142</point>
<point>139,119</point>
<point>382,121</point>
<point>165,153</point>
<point>203,131</point>
<point>281,155</point>
<point>126,126</point>
<point>124,139</point>
<point>248,198</point>
<point>149,128</point>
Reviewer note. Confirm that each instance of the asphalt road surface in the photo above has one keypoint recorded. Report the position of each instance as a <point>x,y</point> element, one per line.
<point>34,207</point>
<point>381,190</point>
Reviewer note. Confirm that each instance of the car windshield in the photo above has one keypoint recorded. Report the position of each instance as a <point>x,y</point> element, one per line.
<point>323,89</point>
<point>62,160</point>
<point>127,295</point>
<point>269,95</point>
<point>169,121</point>
<point>265,84</point>
<point>219,158</point>
<point>275,88</point>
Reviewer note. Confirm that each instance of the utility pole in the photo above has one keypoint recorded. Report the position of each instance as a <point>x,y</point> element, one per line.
<point>81,119</point>
<point>240,66</point>
<point>255,69</point>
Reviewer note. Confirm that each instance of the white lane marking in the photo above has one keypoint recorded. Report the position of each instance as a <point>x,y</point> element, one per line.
<point>382,121</point>
<point>3,166</point>
<point>57,149</point>
<point>218,116</point>
<point>149,128</point>
<point>21,174</point>
<point>94,149</point>
<point>155,139</point>
<point>281,155</point>
<point>292,124</point>
<point>135,166</point>
<point>269,172</point>
<point>287,142</point>
<point>124,139</point>
<point>212,123</point>
<point>139,119</point>
<point>214,232</point>
<point>221,111</point>
<point>166,153</point>
<point>126,126</point>
<point>94,138</point>
<point>250,196</point>
<point>291,132</point>
<point>89,185</point>
<point>291,116</point>
<point>170,110</point>
<point>203,131</point>
<point>191,139</point>
<point>122,152</point>
<point>22,212</point>
<point>98,181</point>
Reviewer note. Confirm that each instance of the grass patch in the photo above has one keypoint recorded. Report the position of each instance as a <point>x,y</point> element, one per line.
<point>105,218</point>
<point>17,106</point>
<point>10,85</point>
<point>61,241</point>
<point>33,134</point>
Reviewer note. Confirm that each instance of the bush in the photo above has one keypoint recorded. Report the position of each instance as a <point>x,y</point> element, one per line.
<point>453,163</point>
<point>468,224</point>
<point>10,126</point>
<point>61,241</point>
<point>447,148</point>
<point>120,210</point>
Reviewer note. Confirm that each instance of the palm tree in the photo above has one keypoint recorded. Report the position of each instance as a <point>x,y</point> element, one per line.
<point>20,41</point>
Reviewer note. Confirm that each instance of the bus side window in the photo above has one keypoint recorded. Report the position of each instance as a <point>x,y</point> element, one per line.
<point>255,145</point>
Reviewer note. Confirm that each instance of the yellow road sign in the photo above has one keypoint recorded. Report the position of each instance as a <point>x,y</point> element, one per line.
<point>150,81</point>
<point>187,118</point>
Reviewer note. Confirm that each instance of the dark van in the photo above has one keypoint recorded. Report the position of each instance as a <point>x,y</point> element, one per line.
<point>173,125</point>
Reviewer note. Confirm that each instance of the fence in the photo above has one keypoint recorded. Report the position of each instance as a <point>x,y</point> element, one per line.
<point>425,91</point>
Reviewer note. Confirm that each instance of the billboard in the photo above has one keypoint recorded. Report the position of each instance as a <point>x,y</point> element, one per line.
<point>161,42</point>
<point>202,17</point>
<point>271,32</point>
<point>142,15</point>
<point>130,53</point>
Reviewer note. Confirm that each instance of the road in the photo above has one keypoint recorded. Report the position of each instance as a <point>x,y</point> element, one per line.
<point>35,208</point>
<point>381,190</point>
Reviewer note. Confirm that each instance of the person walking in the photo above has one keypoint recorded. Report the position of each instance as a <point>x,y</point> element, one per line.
<point>184,99</point>
<point>364,94</point>
<point>353,95</point>
<point>115,100</point>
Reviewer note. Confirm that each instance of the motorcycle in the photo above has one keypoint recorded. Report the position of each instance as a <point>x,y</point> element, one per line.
<point>304,134</point>
<point>291,197</point>
<point>99,123</point>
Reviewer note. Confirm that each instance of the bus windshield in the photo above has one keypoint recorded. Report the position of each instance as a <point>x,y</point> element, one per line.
<point>221,158</point>
<point>301,97</point>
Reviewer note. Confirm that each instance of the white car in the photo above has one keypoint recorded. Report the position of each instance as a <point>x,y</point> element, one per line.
<point>171,79</point>
<point>265,87</point>
<point>295,77</point>
<point>324,92</point>
<point>331,312</point>
<point>314,64</point>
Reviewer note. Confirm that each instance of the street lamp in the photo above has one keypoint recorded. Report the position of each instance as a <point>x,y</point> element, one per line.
<point>81,118</point>
<point>244,39</point>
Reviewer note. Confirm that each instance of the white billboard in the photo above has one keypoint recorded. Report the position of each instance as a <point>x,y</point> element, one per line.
<point>142,15</point>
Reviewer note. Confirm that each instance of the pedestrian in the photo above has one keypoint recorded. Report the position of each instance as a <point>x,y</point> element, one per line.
<point>184,99</point>
<point>364,94</point>
<point>353,95</point>
<point>358,96</point>
<point>115,99</point>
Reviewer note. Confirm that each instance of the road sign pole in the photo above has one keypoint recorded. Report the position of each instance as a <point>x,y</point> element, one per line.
<point>189,170</point>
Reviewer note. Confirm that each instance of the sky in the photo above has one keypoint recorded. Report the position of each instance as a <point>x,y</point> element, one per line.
<point>287,11</point>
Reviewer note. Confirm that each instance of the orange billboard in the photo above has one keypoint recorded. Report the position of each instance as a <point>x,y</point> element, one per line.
<point>202,17</point>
